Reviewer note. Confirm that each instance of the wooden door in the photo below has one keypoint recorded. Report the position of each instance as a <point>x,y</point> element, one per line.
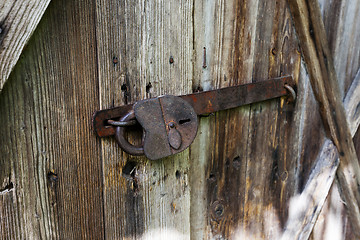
<point>246,165</point>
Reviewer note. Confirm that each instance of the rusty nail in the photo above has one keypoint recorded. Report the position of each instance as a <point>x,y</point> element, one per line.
<point>171,60</point>
<point>204,58</point>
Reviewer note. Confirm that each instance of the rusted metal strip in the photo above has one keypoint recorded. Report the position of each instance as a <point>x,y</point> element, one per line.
<point>231,97</point>
<point>206,102</point>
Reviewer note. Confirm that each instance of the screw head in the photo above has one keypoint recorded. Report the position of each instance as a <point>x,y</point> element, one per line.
<point>171,124</point>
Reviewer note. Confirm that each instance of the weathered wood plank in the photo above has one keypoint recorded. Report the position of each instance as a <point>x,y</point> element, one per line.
<point>343,33</point>
<point>135,42</point>
<point>217,31</point>
<point>306,207</point>
<point>333,222</point>
<point>313,42</point>
<point>218,39</point>
<point>18,20</point>
<point>340,20</point>
<point>46,106</point>
<point>244,41</point>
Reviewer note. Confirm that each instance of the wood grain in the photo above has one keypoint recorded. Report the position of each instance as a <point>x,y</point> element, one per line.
<point>306,207</point>
<point>237,178</point>
<point>18,20</point>
<point>343,34</point>
<point>313,42</point>
<point>136,41</point>
<point>340,20</point>
<point>246,153</point>
<point>54,158</point>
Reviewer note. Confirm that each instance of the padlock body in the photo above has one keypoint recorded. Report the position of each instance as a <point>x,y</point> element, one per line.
<point>170,125</point>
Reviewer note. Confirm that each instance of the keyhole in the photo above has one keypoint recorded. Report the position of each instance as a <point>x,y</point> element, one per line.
<point>184,121</point>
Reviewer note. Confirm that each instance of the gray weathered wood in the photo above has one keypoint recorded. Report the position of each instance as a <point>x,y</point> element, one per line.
<point>135,41</point>
<point>234,182</point>
<point>313,42</point>
<point>18,20</point>
<point>306,207</point>
<point>343,31</point>
<point>243,158</point>
<point>53,156</point>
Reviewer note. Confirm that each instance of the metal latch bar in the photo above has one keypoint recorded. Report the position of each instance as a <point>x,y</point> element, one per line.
<point>208,101</point>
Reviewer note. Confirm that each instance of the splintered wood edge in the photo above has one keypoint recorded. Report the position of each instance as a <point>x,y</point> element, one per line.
<point>20,20</point>
<point>306,207</point>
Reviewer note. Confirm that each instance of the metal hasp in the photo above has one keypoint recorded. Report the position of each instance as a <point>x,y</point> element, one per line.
<point>170,122</point>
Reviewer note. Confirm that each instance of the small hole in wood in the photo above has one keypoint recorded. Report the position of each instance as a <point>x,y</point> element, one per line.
<point>52,177</point>
<point>129,169</point>
<point>237,162</point>
<point>124,87</point>
<point>212,177</point>
<point>148,87</point>
<point>177,174</point>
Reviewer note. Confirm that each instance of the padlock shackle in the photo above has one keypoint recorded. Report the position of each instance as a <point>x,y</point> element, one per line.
<point>123,143</point>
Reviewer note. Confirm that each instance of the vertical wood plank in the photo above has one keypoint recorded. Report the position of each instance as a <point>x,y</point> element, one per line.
<point>305,208</point>
<point>242,183</point>
<point>310,29</point>
<point>135,42</point>
<point>18,20</point>
<point>343,34</point>
<point>47,106</point>
<point>219,35</point>
<point>340,20</point>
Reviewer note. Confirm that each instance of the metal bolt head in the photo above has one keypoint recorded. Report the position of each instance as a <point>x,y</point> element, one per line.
<point>171,124</point>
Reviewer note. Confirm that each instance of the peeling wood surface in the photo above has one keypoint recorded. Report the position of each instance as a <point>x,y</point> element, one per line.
<point>236,180</point>
<point>18,20</point>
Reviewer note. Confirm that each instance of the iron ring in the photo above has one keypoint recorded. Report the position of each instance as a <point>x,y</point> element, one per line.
<point>291,90</point>
<point>123,143</point>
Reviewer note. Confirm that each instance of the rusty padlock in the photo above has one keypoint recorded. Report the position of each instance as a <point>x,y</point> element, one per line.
<point>170,122</point>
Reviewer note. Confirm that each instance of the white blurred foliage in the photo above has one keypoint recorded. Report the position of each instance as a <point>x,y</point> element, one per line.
<point>164,234</point>
<point>329,224</point>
